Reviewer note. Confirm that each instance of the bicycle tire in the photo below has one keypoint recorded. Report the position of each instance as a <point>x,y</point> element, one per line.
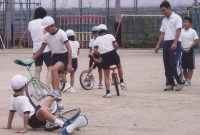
<point>180,71</point>
<point>86,80</point>
<point>115,79</point>
<point>35,97</point>
<point>69,115</point>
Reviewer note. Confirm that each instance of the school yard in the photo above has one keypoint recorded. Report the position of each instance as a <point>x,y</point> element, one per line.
<point>144,109</point>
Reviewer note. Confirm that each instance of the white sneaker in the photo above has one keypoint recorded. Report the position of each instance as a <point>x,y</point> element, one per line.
<point>100,86</point>
<point>107,95</point>
<point>179,87</point>
<point>187,83</point>
<point>67,87</point>
<point>72,90</point>
<point>168,87</point>
<point>123,86</point>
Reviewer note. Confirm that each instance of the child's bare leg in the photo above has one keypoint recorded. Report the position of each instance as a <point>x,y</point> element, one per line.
<point>100,70</point>
<point>72,78</point>
<point>190,73</point>
<point>46,102</point>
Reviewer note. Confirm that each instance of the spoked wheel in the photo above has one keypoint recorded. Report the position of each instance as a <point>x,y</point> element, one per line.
<point>180,71</point>
<point>66,116</point>
<point>36,91</point>
<point>87,80</point>
<point>116,83</point>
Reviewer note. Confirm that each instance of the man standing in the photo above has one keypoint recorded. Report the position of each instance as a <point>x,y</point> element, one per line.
<point>170,32</point>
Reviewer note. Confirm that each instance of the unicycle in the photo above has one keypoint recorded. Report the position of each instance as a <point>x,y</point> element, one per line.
<point>35,90</point>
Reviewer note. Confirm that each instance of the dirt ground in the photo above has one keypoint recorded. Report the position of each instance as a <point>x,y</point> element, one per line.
<point>145,109</point>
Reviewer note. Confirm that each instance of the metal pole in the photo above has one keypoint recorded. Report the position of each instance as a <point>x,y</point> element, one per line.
<point>54,7</point>
<point>117,22</point>
<point>8,22</point>
<point>108,11</point>
<point>81,13</point>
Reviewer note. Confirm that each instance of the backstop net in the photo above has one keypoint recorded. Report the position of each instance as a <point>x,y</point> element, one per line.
<point>141,31</point>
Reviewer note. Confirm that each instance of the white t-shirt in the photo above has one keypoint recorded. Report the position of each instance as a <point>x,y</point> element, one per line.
<point>91,44</point>
<point>104,43</point>
<point>21,104</point>
<point>56,41</point>
<point>187,37</point>
<point>74,46</point>
<point>170,25</point>
<point>37,34</point>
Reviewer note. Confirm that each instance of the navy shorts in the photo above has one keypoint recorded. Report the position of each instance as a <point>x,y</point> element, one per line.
<point>62,57</point>
<point>74,63</point>
<point>188,60</point>
<point>44,57</point>
<point>110,58</point>
<point>34,122</point>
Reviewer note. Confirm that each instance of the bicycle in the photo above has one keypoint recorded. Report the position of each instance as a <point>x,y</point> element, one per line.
<point>35,90</point>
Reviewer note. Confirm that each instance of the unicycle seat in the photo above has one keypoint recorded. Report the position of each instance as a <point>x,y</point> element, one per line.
<point>112,67</point>
<point>23,62</point>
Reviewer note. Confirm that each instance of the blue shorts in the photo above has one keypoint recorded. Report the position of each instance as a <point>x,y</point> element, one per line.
<point>44,57</point>
<point>188,60</point>
<point>34,122</point>
<point>62,57</point>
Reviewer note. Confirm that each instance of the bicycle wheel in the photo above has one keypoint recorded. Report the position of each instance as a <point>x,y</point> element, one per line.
<point>66,116</point>
<point>180,70</point>
<point>87,80</point>
<point>116,83</point>
<point>36,91</point>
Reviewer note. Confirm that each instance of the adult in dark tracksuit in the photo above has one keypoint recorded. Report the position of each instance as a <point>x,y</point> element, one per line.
<point>170,32</point>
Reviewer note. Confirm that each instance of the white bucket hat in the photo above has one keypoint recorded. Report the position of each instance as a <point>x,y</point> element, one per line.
<point>102,27</point>
<point>70,33</point>
<point>18,81</point>
<point>47,21</point>
<point>95,28</point>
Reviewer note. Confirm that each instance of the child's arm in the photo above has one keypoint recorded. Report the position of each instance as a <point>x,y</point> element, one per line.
<point>69,52</point>
<point>26,118</point>
<point>195,43</point>
<point>10,119</point>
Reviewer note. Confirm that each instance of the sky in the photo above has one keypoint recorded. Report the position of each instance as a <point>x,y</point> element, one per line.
<point>124,3</point>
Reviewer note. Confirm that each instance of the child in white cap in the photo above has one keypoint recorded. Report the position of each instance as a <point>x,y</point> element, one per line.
<point>57,41</point>
<point>92,55</point>
<point>75,52</point>
<point>35,117</point>
<point>107,46</point>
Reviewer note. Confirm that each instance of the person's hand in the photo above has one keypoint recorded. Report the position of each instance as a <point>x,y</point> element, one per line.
<point>22,131</point>
<point>69,68</point>
<point>173,47</point>
<point>7,127</point>
<point>189,49</point>
<point>90,55</point>
<point>99,60</point>
<point>156,48</point>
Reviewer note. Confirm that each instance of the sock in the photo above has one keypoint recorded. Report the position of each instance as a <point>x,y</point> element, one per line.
<point>107,91</point>
<point>121,80</point>
<point>59,123</point>
<point>57,92</point>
